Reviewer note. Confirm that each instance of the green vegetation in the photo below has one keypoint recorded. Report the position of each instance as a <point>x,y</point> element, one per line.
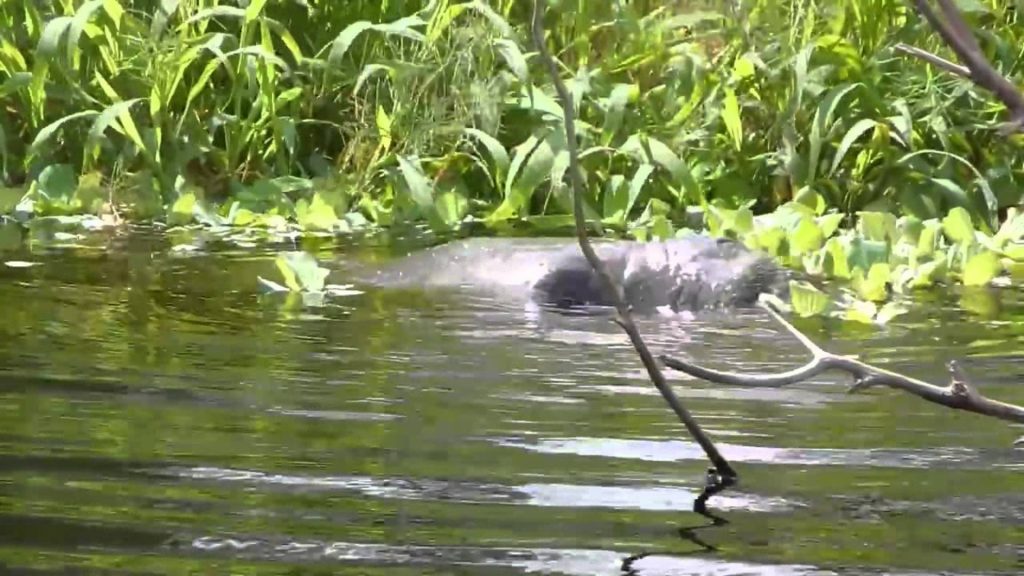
<point>792,125</point>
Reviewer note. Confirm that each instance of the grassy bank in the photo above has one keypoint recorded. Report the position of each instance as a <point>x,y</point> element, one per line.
<point>793,124</point>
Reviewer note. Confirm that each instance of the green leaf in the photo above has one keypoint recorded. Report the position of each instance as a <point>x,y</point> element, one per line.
<point>822,125</point>
<point>419,185</point>
<point>836,263</point>
<point>889,311</point>
<point>829,223</point>
<point>498,153</point>
<point>874,286</point>
<point>861,311</point>
<point>107,117</point>
<point>636,184</point>
<point>301,271</point>
<point>806,238</point>
<point>866,253</point>
<point>317,214</point>
<point>182,210</point>
<point>50,129</point>
<point>1015,251</point>
<point>513,58</point>
<point>81,18</point>
<point>9,198</point>
<point>958,226</point>
<point>53,32</point>
<point>925,275</point>
<point>879,226</point>
<point>57,183</point>
<point>345,38</point>
<point>616,103</point>
<point>290,280</point>
<point>849,138</point>
<point>731,118</point>
<point>451,206</point>
<point>806,299</point>
<point>252,12</point>
<point>981,269</point>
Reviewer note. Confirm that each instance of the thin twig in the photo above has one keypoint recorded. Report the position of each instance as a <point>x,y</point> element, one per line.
<point>935,60</point>
<point>960,394</point>
<point>725,476</point>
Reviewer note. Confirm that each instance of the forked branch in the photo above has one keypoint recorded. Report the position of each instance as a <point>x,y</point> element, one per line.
<point>723,475</point>
<point>955,32</point>
<point>960,394</point>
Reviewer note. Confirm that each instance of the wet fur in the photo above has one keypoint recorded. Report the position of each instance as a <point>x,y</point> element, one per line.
<point>690,273</point>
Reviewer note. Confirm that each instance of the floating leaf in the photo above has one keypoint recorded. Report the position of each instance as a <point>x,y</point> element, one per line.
<point>182,210</point>
<point>317,214</point>
<point>861,311</point>
<point>880,226</point>
<point>874,286</point>
<point>958,227</point>
<point>301,271</point>
<point>928,273</point>
<point>889,311</point>
<point>981,269</point>
<point>806,238</point>
<point>1015,251</point>
<point>829,223</point>
<point>806,299</point>
<point>836,263</point>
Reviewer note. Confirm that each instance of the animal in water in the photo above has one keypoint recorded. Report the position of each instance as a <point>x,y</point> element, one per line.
<point>689,273</point>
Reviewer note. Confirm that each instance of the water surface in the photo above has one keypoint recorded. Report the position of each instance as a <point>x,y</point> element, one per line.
<point>161,417</point>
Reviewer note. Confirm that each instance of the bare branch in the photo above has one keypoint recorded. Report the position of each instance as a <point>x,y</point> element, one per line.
<point>935,60</point>
<point>960,394</point>
<point>957,35</point>
<point>725,475</point>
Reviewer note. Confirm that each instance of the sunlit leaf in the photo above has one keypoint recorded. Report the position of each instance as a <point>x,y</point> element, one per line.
<point>861,311</point>
<point>836,263</point>
<point>317,214</point>
<point>301,271</point>
<point>981,269</point>
<point>731,118</point>
<point>806,299</point>
<point>182,210</point>
<point>879,226</point>
<point>958,227</point>
<point>806,238</point>
<point>873,286</point>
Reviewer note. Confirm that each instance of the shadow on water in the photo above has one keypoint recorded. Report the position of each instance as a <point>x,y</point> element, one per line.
<point>162,418</point>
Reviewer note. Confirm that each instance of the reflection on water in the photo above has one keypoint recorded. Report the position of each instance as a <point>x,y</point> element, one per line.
<point>162,418</point>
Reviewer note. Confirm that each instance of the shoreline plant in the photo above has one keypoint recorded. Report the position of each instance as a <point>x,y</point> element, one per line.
<point>797,126</point>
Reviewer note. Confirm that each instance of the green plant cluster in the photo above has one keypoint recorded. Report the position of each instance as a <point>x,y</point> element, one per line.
<point>330,116</point>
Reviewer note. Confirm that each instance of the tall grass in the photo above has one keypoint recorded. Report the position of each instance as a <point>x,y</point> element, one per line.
<point>404,110</point>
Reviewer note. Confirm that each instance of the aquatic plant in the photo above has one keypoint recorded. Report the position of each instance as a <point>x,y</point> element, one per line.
<point>803,127</point>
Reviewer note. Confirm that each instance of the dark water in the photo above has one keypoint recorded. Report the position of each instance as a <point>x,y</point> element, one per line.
<point>160,417</point>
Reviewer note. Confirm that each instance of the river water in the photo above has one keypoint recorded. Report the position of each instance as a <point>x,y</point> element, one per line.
<point>160,416</point>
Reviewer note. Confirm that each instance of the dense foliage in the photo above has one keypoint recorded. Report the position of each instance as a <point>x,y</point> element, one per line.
<point>857,161</point>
